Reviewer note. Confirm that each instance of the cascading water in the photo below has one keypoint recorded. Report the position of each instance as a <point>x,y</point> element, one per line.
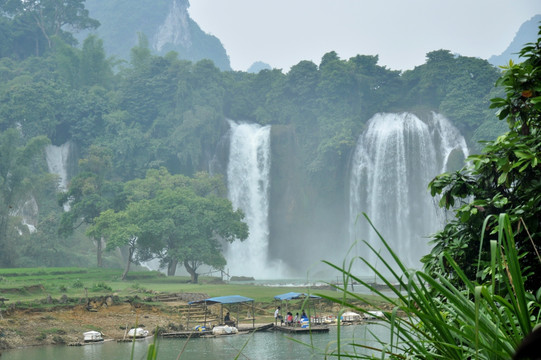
<point>394,160</point>
<point>248,184</point>
<point>57,162</point>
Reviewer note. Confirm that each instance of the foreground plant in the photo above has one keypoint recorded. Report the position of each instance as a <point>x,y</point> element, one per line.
<point>431,318</point>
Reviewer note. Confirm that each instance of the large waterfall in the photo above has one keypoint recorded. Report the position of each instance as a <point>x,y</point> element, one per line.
<point>248,186</point>
<point>394,161</point>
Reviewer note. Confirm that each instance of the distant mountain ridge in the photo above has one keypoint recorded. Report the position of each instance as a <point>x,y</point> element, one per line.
<point>166,24</point>
<point>525,34</point>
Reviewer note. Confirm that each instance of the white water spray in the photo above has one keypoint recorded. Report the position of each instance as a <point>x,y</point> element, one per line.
<point>57,162</point>
<point>393,162</point>
<point>248,174</point>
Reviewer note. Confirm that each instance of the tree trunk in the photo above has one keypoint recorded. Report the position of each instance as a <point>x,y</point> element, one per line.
<point>99,252</point>
<point>194,275</point>
<point>131,250</point>
<point>172,267</point>
<point>5,257</point>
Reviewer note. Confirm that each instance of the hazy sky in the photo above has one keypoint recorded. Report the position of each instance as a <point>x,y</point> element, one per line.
<point>283,32</point>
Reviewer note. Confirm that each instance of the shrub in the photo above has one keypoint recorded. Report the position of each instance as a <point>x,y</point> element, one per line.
<point>58,339</point>
<point>101,286</point>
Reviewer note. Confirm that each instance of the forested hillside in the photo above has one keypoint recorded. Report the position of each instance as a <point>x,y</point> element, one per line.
<point>163,112</point>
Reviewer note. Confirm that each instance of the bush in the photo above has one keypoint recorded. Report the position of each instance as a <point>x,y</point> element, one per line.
<point>101,286</point>
<point>58,339</point>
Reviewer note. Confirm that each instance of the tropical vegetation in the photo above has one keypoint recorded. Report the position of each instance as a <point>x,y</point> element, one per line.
<point>147,133</point>
<point>123,119</point>
<point>505,177</point>
<point>457,308</point>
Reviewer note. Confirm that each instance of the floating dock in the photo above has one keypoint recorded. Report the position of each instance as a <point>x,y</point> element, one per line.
<point>208,333</point>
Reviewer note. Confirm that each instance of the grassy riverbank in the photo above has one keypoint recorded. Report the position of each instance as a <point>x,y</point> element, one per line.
<point>56,305</point>
<point>30,284</point>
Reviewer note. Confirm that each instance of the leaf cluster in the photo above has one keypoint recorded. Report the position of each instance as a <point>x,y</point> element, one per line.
<point>504,178</point>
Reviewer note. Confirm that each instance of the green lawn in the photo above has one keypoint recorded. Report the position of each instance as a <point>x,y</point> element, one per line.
<point>31,284</point>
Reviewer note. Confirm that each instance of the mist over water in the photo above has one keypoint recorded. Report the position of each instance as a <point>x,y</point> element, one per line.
<point>395,159</point>
<point>248,181</point>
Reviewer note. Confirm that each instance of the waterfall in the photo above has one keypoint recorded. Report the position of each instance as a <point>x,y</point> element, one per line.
<point>57,162</point>
<point>451,141</point>
<point>28,212</point>
<point>393,162</point>
<point>248,188</point>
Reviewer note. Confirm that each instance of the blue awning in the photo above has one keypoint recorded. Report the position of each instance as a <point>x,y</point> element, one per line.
<point>230,299</point>
<point>295,295</point>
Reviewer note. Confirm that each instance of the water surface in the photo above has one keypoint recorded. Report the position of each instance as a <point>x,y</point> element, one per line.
<point>269,345</point>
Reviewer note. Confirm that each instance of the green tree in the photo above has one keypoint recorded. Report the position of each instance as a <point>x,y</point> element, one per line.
<point>88,195</point>
<point>95,68</point>
<point>16,173</point>
<point>120,229</point>
<point>20,37</point>
<point>52,17</point>
<point>506,177</point>
<point>175,219</point>
<point>34,105</point>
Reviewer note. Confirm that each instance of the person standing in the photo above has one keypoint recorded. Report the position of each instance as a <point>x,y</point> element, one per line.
<point>278,316</point>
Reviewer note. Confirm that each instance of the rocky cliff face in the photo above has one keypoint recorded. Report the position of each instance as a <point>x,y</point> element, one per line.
<point>175,29</point>
<point>165,23</point>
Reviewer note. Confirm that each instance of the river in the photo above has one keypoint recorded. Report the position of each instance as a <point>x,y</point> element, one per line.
<point>268,345</point>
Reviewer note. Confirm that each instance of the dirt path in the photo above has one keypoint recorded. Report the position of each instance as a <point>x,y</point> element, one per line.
<point>20,328</point>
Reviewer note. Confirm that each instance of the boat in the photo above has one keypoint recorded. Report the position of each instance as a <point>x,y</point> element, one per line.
<point>263,327</point>
<point>302,330</point>
<point>92,336</point>
<point>138,333</point>
<point>224,330</point>
<point>350,316</point>
<point>374,315</point>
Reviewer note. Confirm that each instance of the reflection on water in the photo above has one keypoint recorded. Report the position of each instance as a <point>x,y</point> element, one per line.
<point>262,345</point>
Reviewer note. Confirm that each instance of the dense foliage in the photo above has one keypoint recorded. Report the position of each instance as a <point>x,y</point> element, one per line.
<point>506,177</point>
<point>160,111</point>
<point>432,317</point>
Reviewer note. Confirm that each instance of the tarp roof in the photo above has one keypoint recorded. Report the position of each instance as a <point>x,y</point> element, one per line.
<point>230,299</point>
<point>295,295</point>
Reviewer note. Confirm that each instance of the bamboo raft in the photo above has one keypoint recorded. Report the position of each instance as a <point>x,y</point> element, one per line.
<point>302,330</point>
<point>208,333</point>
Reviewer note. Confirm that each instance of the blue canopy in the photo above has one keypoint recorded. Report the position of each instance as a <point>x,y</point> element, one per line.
<point>295,295</point>
<point>230,299</point>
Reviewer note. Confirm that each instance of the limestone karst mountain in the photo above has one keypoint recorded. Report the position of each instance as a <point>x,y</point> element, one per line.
<point>165,23</point>
<point>525,34</point>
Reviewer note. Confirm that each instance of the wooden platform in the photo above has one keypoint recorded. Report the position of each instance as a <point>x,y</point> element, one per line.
<point>300,330</point>
<point>246,329</point>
